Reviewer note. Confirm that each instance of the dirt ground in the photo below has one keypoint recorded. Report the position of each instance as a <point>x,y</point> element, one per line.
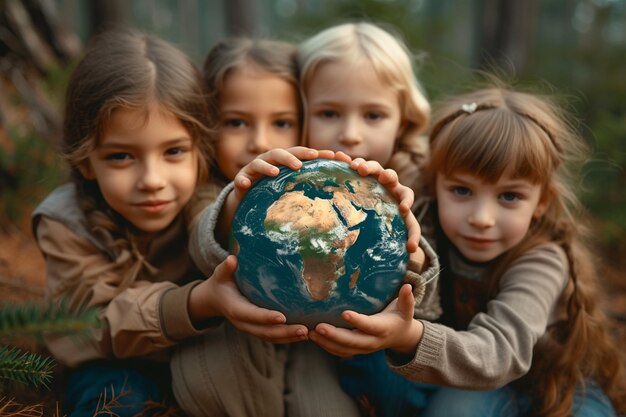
<point>22,278</point>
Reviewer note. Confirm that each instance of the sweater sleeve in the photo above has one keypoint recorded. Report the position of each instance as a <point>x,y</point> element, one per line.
<point>497,347</point>
<point>204,249</point>
<point>425,284</point>
<point>132,321</point>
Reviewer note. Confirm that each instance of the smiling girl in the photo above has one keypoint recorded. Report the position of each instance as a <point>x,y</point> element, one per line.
<point>137,140</point>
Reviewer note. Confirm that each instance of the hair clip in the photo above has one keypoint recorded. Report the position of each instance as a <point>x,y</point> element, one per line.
<point>469,108</point>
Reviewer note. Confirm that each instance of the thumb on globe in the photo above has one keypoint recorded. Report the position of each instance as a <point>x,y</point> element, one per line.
<point>226,269</point>
<point>406,301</point>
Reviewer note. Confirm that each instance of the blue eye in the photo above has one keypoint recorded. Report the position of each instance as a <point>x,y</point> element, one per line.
<point>461,191</point>
<point>510,197</point>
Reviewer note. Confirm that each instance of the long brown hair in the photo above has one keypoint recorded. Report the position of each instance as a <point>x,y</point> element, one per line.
<point>271,56</point>
<point>126,69</point>
<point>494,129</point>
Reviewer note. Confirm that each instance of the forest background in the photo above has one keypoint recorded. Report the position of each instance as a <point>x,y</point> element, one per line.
<point>575,48</point>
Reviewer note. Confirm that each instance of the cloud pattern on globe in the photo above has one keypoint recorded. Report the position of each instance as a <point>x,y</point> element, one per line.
<point>314,242</point>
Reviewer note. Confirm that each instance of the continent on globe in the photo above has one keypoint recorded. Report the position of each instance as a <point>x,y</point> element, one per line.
<point>317,241</point>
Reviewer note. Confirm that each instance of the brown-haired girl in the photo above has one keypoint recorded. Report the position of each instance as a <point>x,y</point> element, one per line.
<point>521,330</point>
<point>253,99</point>
<point>137,140</point>
<point>255,102</point>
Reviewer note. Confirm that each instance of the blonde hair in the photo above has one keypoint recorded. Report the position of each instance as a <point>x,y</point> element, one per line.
<point>495,129</point>
<point>389,57</point>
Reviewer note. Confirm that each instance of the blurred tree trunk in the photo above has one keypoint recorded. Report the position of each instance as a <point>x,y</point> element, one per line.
<point>105,13</point>
<point>32,39</point>
<point>505,33</point>
<point>240,17</point>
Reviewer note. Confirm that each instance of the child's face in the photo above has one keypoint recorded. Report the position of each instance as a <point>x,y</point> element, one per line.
<point>484,220</point>
<point>258,112</point>
<point>146,172</point>
<point>352,111</point>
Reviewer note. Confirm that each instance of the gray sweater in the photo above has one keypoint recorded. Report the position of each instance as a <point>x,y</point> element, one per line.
<point>497,347</point>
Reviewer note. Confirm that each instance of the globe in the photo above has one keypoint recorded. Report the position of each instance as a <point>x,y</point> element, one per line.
<point>314,242</point>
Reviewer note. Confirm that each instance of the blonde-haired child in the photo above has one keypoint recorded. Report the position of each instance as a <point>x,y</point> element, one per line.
<point>521,331</point>
<point>362,96</point>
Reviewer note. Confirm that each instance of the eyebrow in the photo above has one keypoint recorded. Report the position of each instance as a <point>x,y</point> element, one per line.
<point>375,105</point>
<point>126,145</point>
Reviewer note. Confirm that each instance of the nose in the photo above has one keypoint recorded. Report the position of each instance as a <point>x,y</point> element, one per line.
<point>351,132</point>
<point>258,142</point>
<point>482,215</point>
<point>151,177</point>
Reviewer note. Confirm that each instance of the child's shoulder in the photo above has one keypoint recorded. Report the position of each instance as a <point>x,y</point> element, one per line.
<point>61,205</point>
<point>59,200</point>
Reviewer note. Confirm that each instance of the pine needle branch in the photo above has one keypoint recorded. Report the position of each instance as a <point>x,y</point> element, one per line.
<point>33,319</point>
<point>25,367</point>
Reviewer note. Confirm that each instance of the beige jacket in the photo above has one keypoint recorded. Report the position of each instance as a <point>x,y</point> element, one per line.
<point>144,319</point>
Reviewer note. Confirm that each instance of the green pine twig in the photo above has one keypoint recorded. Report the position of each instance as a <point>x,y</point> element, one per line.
<point>33,319</point>
<point>25,367</point>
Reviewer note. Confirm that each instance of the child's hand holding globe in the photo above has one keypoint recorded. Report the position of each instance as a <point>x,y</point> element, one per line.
<point>317,241</point>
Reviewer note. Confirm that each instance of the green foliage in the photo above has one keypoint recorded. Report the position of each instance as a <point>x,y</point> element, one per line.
<point>31,320</point>
<point>18,321</point>
<point>25,367</point>
<point>30,168</point>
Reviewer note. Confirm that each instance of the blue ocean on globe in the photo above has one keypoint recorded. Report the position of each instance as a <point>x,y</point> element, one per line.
<point>317,241</point>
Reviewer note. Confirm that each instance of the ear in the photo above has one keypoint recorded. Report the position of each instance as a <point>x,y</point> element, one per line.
<point>542,206</point>
<point>86,170</point>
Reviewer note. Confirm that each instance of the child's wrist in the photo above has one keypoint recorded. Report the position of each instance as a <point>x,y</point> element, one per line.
<point>417,260</point>
<point>405,351</point>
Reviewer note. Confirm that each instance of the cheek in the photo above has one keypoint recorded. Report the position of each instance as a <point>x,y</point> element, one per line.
<point>448,219</point>
<point>517,228</point>
<point>318,136</point>
<point>284,139</point>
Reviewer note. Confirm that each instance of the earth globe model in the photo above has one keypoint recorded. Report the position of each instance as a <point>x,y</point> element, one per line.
<point>317,241</point>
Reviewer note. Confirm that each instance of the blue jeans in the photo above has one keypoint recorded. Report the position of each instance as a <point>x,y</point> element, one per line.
<point>508,402</point>
<point>125,388</point>
<point>389,394</point>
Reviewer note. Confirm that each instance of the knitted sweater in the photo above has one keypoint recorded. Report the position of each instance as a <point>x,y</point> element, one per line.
<point>496,347</point>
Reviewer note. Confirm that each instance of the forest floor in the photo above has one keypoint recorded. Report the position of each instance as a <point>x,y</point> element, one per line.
<point>22,279</point>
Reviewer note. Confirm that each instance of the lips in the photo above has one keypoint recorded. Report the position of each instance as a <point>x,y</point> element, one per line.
<point>152,207</point>
<point>478,243</point>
